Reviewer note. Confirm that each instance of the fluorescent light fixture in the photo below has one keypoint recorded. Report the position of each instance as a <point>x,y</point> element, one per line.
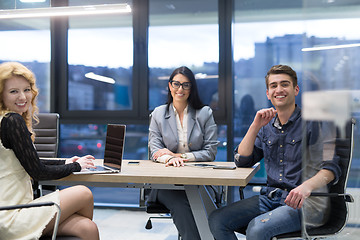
<point>100,78</point>
<point>32,1</point>
<point>197,76</point>
<point>65,11</point>
<point>330,47</point>
<point>200,75</point>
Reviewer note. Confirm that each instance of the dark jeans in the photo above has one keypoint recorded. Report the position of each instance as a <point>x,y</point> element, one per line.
<point>262,216</point>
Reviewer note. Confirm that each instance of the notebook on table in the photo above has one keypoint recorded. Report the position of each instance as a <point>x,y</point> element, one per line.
<point>114,149</point>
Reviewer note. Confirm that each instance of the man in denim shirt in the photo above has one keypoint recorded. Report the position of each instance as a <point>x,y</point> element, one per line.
<point>276,135</point>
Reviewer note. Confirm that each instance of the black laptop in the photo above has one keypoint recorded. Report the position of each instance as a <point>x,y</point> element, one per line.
<point>114,149</point>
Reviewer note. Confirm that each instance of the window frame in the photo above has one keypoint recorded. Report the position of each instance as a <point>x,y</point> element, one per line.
<point>139,114</point>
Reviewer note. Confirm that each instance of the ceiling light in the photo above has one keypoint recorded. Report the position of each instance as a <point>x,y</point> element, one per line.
<point>32,1</point>
<point>330,47</point>
<point>65,11</point>
<point>100,78</point>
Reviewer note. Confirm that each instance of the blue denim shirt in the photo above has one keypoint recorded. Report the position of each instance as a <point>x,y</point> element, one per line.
<point>282,152</point>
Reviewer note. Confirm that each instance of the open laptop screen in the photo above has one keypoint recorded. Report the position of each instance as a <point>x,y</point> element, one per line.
<point>114,145</point>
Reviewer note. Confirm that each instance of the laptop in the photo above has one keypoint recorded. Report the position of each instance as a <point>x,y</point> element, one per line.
<point>114,149</point>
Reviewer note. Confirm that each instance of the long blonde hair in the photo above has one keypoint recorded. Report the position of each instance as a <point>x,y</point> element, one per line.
<point>13,69</point>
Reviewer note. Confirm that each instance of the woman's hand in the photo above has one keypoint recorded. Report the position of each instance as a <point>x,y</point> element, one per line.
<point>85,161</point>
<point>161,152</point>
<point>176,162</point>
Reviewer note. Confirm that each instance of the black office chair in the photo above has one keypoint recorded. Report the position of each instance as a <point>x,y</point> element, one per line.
<point>157,208</point>
<point>337,193</point>
<point>47,135</point>
<point>161,212</point>
<point>46,144</point>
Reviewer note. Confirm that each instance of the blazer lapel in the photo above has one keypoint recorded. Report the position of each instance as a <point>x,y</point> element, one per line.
<point>171,120</point>
<point>191,122</point>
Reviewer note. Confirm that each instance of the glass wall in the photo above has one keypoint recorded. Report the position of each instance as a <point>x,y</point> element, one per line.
<point>265,34</point>
<point>100,58</point>
<point>316,39</point>
<point>331,95</point>
<point>28,42</point>
<point>183,33</point>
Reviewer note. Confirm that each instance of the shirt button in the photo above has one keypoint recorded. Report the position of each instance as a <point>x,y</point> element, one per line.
<point>282,131</point>
<point>280,160</point>
<point>280,179</point>
<point>280,175</point>
<point>280,145</point>
<point>293,140</point>
<point>269,142</point>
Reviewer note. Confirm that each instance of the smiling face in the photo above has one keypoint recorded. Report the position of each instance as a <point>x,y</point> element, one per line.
<point>179,94</point>
<point>281,91</point>
<point>17,94</point>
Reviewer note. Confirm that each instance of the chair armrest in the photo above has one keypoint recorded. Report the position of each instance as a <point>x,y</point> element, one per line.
<point>30,205</point>
<point>256,184</point>
<point>346,196</point>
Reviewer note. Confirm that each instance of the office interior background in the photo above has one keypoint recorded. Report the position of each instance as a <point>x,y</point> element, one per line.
<point>114,68</point>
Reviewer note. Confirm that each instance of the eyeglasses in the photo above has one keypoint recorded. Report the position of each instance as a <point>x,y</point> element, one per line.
<point>176,85</point>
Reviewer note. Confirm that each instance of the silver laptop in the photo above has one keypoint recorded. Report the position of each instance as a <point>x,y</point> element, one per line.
<point>114,149</point>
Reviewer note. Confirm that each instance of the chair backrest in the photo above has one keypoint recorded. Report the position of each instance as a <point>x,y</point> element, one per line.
<point>339,212</point>
<point>337,192</point>
<point>47,135</point>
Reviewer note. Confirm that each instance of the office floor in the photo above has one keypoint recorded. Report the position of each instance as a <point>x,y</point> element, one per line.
<point>121,224</point>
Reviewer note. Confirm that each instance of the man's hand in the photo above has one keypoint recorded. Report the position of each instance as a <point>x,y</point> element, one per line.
<point>297,196</point>
<point>264,116</point>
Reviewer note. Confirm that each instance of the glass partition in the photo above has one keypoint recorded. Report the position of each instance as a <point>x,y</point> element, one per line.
<point>100,58</point>
<point>265,33</point>
<point>28,41</point>
<point>331,98</point>
<point>183,33</point>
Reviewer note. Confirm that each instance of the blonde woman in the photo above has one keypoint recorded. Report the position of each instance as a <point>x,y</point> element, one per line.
<point>20,163</point>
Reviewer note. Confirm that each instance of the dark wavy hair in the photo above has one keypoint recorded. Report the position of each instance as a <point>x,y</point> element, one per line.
<point>279,69</point>
<point>194,99</point>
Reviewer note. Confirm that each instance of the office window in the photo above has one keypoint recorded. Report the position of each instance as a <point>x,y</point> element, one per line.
<point>28,41</point>
<point>183,33</point>
<point>265,34</point>
<point>100,59</point>
<point>82,139</point>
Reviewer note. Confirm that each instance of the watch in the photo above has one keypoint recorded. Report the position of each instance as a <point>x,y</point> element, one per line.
<point>183,156</point>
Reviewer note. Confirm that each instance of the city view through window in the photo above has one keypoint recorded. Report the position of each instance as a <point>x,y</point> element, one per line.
<point>252,57</point>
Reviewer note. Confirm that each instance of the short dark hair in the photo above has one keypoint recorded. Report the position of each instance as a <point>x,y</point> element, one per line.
<point>194,99</point>
<point>279,69</point>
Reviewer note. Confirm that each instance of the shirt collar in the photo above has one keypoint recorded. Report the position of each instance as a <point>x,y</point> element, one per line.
<point>295,115</point>
<point>185,110</point>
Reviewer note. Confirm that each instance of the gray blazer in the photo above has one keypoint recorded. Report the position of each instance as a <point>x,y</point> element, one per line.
<point>202,135</point>
<point>202,132</point>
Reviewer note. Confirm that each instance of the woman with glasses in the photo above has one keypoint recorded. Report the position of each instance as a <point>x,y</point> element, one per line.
<point>181,130</point>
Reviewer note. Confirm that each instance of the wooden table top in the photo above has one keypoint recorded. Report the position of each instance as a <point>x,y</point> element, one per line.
<point>156,173</point>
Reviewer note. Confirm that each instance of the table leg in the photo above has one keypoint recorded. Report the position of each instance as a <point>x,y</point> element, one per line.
<point>201,205</point>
